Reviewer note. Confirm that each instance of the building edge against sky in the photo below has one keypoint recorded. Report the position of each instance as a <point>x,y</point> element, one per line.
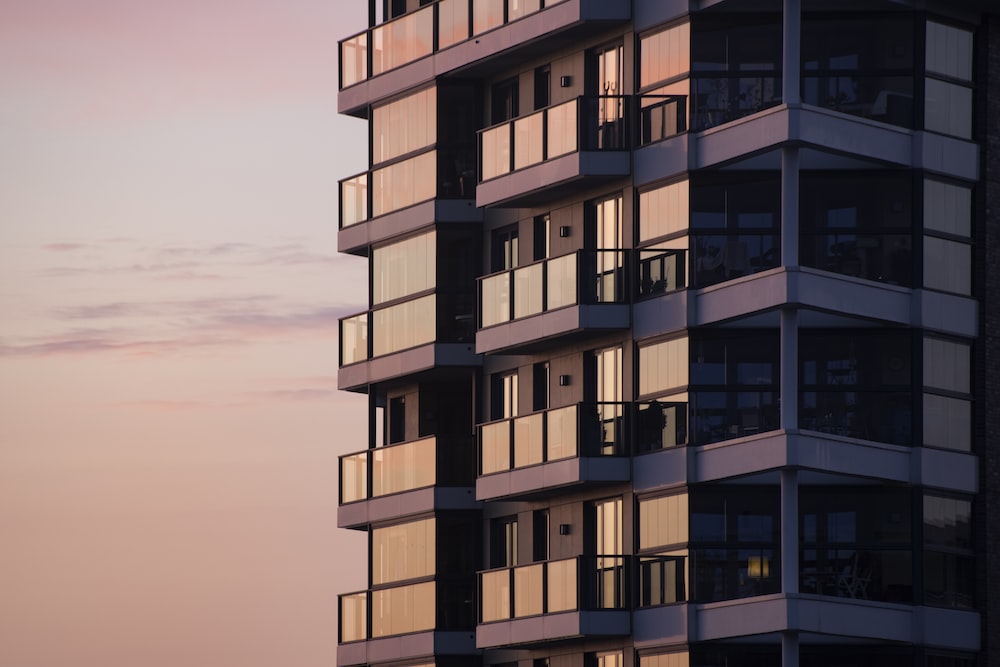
<point>681,324</point>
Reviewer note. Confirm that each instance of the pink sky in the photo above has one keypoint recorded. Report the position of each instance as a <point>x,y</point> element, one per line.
<point>169,290</point>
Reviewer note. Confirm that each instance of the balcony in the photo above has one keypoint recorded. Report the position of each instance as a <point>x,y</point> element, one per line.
<point>574,445</point>
<point>388,200</point>
<point>564,296</point>
<point>539,155</point>
<point>451,35</point>
<point>553,600</point>
<point>414,336</point>
<point>404,622</point>
<point>406,478</point>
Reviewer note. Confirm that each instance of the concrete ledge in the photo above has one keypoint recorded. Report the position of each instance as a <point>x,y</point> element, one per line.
<point>553,475</point>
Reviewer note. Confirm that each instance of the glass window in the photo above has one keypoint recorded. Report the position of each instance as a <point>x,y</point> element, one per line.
<point>663,211</point>
<point>948,557</point>
<point>947,365</point>
<point>402,552</point>
<point>404,126</point>
<point>734,226</point>
<point>949,51</point>
<point>734,540</point>
<point>403,268</point>
<point>856,542</point>
<point>947,422</point>
<point>947,265</point>
<point>858,224</point>
<point>947,208</point>
<point>948,108</point>
<point>679,659</point>
<point>663,366</point>
<point>663,521</point>
<point>664,55</point>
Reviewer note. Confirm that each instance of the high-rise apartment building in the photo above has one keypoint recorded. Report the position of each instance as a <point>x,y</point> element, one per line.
<point>681,341</point>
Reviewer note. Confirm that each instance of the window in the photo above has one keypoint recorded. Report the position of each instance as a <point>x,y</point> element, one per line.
<point>858,224</point>
<point>504,101</point>
<point>505,250</point>
<point>405,551</point>
<point>734,542</point>
<point>663,211</point>
<point>947,88</point>
<point>861,65</point>
<point>734,382</point>
<point>664,55</point>
<point>856,542</point>
<point>663,366</point>
<point>540,535</point>
<point>663,522</point>
<point>404,126</point>
<point>504,396</point>
<point>540,386</point>
<point>734,226</point>
<point>947,416</point>
<point>857,384</point>
<point>541,237</point>
<point>503,542</point>
<point>404,268</point>
<point>949,560</point>
<point>736,68</point>
<point>678,659</point>
<point>607,547</point>
<point>543,82</point>
<point>604,236</point>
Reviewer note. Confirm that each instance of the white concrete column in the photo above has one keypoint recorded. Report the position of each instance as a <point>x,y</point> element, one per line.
<point>789,649</point>
<point>789,369</point>
<point>789,206</point>
<point>791,31</point>
<point>789,531</point>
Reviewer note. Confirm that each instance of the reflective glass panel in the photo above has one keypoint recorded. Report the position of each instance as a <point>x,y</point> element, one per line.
<point>947,422</point>
<point>495,598</point>
<point>947,365</point>
<point>402,610</point>
<point>354,617</point>
<point>947,265</point>
<point>528,590</point>
<point>663,521</point>
<point>353,200</point>
<point>947,208</point>
<point>354,339</point>
<point>561,282</point>
<point>495,452</point>
<point>528,440</point>
<point>404,268</point>
<point>949,51</point>
<point>663,366</point>
<point>562,433</point>
<point>453,22</point>
<point>354,477</point>
<point>664,55</point>
<point>528,140</point>
<point>562,586</point>
<point>496,151</point>
<point>404,467</point>
<point>404,126</point>
<point>354,60</point>
<point>404,325</point>
<point>948,108</point>
<point>404,183</point>
<point>404,551</point>
<point>528,290</point>
<point>562,129</point>
<point>402,40</point>
<point>663,211</point>
<point>496,299</point>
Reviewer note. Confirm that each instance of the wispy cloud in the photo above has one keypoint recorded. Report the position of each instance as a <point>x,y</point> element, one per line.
<point>63,247</point>
<point>67,346</point>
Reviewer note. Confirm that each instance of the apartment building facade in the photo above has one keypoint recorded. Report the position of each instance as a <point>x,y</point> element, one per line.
<point>679,335</point>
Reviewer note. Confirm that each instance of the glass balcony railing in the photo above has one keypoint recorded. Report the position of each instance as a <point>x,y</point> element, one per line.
<point>420,607</point>
<point>584,277</point>
<point>660,425</point>
<point>583,123</point>
<point>394,329</point>
<point>407,466</point>
<point>427,30</point>
<point>724,415</point>
<point>583,583</point>
<point>440,173</point>
<point>584,429</point>
<point>885,98</point>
